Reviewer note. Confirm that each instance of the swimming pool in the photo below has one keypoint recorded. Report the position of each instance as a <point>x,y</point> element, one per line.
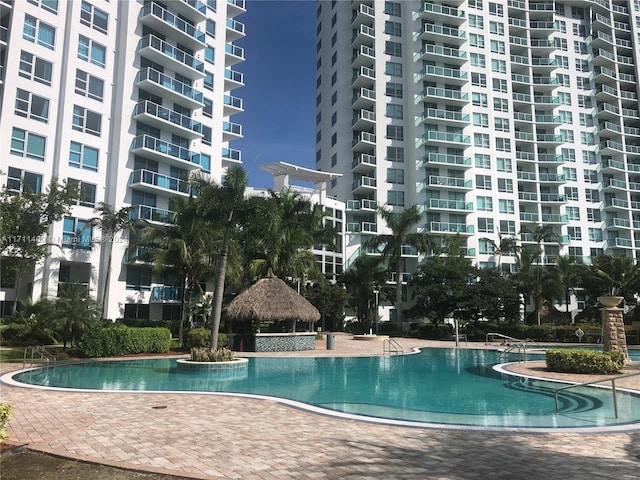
<point>440,386</point>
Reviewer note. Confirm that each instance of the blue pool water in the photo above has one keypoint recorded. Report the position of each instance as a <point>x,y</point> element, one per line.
<point>436,386</point>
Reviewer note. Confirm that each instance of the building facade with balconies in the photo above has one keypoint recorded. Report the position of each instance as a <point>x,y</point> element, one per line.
<point>126,99</point>
<point>495,117</point>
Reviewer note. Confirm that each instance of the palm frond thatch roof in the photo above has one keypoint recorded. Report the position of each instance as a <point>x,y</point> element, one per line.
<point>271,299</point>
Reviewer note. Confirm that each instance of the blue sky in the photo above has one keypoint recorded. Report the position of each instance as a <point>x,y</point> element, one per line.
<point>279,93</point>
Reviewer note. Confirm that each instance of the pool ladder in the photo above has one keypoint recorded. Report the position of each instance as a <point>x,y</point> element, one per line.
<point>41,353</point>
<point>391,346</point>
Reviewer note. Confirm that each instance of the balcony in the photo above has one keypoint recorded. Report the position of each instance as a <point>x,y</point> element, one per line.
<point>235,7</point>
<point>157,17</point>
<point>231,131</point>
<point>363,15</point>
<point>554,218</point>
<point>446,138</point>
<point>164,53</point>
<point>152,182</point>
<point>444,34</point>
<point>552,198</point>
<point>618,223</point>
<point>430,11</point>
<point>363,99</point>
<point>165,294</point>
<point>447,159</point>
<point>363,142</point>
<point>151,214</point>
<point>166,119</point>
<point>363,57</point>
<point>622,242</point>
<point>616,203</point>
<point>364,206</point>
<point>552,178</point>
<point>194,10</point>
<point>610,147</point>
<point>450,75</point>
<point>364,35</point>
<point>527,176</point>
<point>363,163</point>
<point>362,227</point>
<point>233,54</point>
<point>364,119</point>
<point>363,77</point>
<point>449,182</point>
<point>444,94</point>
<point>232,105</point>
<point>449,55</point>
<point>445,116</point>
<point>165,86</point>
<point>156,149</point>
<point>452,228</point>
<point>363,185</point>
<point>231,156</point>
<point>529,217</point>
<point>450,205</point>
<point>235,30</point>
<point>528,197</point>
<point>232,79</point>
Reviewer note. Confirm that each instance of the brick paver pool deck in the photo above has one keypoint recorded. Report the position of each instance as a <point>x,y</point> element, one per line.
<point>210,437</point>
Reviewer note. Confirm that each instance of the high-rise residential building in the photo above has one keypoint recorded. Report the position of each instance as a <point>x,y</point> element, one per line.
<point>125,99</point>
<point>495,117</point>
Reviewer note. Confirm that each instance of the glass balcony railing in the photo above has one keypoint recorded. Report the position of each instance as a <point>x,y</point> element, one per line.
<point>163,147</point>
<point>144,212</point>
<point>161,181</point>
<point>159,45</point>
<point>154,76</point>
<point>156,10</point>
<point>163,113</point>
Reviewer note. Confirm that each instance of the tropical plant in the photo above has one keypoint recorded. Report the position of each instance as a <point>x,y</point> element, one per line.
<point>330,301</point>
<point>221,205</point>
<point>361,279</point>
<point>110,222</point>
<point>181,252</point>
<point>25,218</point>
<point>75,311</point>
<point>568,275</point>
<point>504,246</point>
<point>31,324</point>
<point>613,275</point>
<point>534,280</point>
<point>401,226</point>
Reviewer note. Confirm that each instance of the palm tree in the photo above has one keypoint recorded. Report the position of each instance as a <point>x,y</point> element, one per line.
<point>220,205</point>
<point>568,274</point>
<point>181,250</point>
<point>75,310</point>
<point>614,275</point>
<point>110,222</point>
<point>505,245</point>
<point>401,226</point>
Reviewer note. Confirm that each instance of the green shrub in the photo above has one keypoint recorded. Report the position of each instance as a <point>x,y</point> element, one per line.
<point>203,354</point>
<point>584,361</point>
<point>117,340</point>
<point>5,415</point>
<point>433,332</point>
<point>201,337</point>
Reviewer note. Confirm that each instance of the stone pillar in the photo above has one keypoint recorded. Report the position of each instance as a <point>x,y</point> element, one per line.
<point>613,334</point>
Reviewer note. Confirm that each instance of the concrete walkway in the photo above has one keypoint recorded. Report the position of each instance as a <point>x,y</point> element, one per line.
<point>210,437</point>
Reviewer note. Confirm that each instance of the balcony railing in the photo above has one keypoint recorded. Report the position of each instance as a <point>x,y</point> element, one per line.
<point>161,181</point>
<point>169,18</point>
<point>159,45</point>
<point>144,212</point>
<point>163,147</point>
<point>168,115</point>
<point>154,76</point>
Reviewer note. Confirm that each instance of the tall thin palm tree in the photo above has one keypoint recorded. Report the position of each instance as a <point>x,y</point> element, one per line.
<point>221,205</point>
<point>110,222</point>
<point>402,226</point>
<point>504,246</point>
<point>567,272</point>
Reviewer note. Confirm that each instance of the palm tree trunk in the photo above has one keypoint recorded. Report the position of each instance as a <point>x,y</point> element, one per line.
<point>219,288</point>
<point>107,277</point>
<point>399,291</point>
<point>183,310</point>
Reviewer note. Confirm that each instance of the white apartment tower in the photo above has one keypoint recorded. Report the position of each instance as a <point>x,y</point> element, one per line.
<point>494,117</point>
<point>126,99</point>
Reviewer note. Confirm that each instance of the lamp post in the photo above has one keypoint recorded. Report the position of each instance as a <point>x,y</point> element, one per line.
<point>377,292</point>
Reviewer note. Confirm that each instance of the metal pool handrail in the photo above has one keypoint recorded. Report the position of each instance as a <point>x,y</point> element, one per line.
<point>392,346</point>
<point>40,350</point>
<point>609,379</point>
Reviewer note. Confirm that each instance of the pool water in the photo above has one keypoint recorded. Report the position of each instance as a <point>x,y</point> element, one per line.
<point>436,386</point>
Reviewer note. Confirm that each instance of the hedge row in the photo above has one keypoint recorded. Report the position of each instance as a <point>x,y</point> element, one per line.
<point>118,340</point>
<point>584,361</point>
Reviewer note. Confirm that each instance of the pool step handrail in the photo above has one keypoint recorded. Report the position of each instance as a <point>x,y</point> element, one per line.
<point>602,380</point>
<point>42,352</point>
<point>390,345</point>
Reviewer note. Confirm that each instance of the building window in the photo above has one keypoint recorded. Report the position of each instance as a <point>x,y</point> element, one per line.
<point>481,140</point>
<point>499,85</point>
<point>476,40</point>
<point>483,182</point>
<point>138,278</point>
<point>505,185</point>
<point>395,154</point>
<point>395,175</point>
<point>76,233</point>
<point>478,60</point>
<point>501,104</point>
<point>394,111</point>
<point>482,160</point>
<point>93,17</point>
<point>394,90</point>
<point>395,199</point>
<point>393,28</point>
<point>575,233</point>
<point>485,225</point>
<point>32,106</point>
<point>497,46</point>
<point>393,69</point>
<point>207,110</point>
<point>392,8</point>
<point>506,206</point>
<point>573,213</point>
<point>481,119</point>
<point>20,180</point>
<point>503,144</point>
<point>206,135</point>
<point>208,80</point>
<point>210,28</point>
<point>393,48</point>
<point>91,51</point>
<point>479,99</point>
<point>89,86</point>
<point>501,124</point>
<point>395,132</point>
<point>504,164</point>
<point>35,68</point>
<point>508,227</point>
<point>49,5</point>
<point>36,31</point>
<point>28,144</point>
<point>476,21</point>
<point>497,28</point>
<point>87,192</point>
<point>485,204</point>
<point>86,121</point>
<point>478,79</point>
<point>82,156</point>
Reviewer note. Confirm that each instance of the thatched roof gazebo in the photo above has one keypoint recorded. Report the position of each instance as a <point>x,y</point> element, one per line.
<point>272,300</point>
